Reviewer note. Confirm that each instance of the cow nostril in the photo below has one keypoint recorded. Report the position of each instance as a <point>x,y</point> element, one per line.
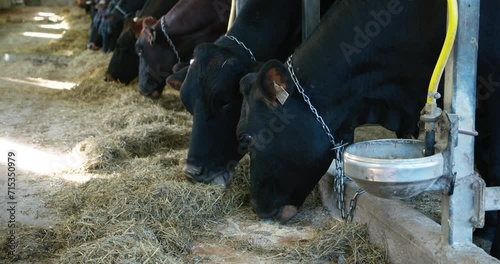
<point>286,213</point>
<point>245,141</point>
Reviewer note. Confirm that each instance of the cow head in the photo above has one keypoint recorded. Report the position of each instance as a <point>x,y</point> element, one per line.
<point>210,94</point>
<point>109,29</point>
<point>112,23</point>
<point>123,64</point>
<point>288,149</point>
<point>95,39</point>
<point>156,58</point>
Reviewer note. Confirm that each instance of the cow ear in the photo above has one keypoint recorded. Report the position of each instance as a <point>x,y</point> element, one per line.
<point>148,22</point>
<point>275,83</point>
<point>176,80</point>
<point>148,29</point>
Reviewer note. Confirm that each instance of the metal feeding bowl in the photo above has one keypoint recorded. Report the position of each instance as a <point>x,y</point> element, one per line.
<point>392,168</point>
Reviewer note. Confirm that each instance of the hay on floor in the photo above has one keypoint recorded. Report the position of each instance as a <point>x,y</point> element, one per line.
<point>138,207</point>
<point>129,242</point>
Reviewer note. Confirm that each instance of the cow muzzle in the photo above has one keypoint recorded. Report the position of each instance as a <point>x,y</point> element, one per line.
<point>282,215</point>
<point>109,78</point>
<point>92,46</point>
<point>153,95</point>
<point>201,174</point>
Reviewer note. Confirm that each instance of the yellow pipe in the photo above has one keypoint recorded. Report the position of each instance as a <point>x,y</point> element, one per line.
<point>451,32</point>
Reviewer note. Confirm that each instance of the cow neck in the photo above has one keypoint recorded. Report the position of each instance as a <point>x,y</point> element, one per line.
<point>336,145</point>
<point>264,26</point>
<point>241,51</point>
<point>117,9</point>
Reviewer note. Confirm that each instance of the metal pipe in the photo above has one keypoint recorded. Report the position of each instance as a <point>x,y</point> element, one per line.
<point>310,16</point>
<point>232,14</point>
<point>430,141</point>
<point>460,91</point>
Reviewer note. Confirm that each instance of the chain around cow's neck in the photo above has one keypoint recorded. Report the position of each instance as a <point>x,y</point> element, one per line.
<point>313,109</point>
<point>164,30</point>
<point>242,45</point>
<point>338,148</point>
<point>117,7</point>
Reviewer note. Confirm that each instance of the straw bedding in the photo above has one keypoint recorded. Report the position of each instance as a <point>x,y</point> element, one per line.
<point>138,207</point>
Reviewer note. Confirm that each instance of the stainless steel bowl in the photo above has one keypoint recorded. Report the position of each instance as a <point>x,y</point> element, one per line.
<point>392,168</point>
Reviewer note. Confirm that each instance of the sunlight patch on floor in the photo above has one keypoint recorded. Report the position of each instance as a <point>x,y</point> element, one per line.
<point>42,35</point>
<point>42,83</point>
<point>27,157</point>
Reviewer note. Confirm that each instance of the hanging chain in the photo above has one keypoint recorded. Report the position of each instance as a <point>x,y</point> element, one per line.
<point>338,181</point>
<point>169,40</point>
<point>242,45</point>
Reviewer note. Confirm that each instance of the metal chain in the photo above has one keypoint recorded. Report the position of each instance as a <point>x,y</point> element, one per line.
<point>353,204</point>
<point>339,151</point>
<point>308,101</point>
<point>117,7</point>
<point>164,30</point>
<point>242,45</point>
<point>338,182</point>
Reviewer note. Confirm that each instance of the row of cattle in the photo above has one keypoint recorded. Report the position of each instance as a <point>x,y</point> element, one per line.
<point>367,62</point>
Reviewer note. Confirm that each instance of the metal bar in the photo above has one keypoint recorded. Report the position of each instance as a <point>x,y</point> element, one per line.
<point>460,91</point>
<point>492,199</point>
<point>232,14</point>
<point>310,16</point>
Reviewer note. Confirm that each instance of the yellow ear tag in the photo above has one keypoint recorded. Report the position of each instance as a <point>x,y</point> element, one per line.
<point>281,93</point>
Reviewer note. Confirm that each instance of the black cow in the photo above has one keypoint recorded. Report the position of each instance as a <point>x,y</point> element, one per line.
<point>99,9</point>
<point>112,22</point>
<point>173,37</point>
<point>124,64</point>
<point>367,62</point>
<point>263,30</point>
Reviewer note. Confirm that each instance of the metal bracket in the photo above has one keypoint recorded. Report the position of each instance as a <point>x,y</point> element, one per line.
<point>446,139</point>
<point>478,185</point>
